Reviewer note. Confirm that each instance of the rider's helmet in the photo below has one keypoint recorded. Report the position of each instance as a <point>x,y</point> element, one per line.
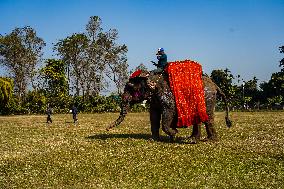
<point>160,49</point>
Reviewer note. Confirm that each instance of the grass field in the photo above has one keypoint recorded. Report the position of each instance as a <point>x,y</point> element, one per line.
<point>61,155</point>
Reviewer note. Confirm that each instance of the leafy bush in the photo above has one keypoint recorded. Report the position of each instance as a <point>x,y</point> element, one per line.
<point>36,102</point>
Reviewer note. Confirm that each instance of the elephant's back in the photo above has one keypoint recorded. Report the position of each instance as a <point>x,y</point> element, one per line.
<point>208,83</point>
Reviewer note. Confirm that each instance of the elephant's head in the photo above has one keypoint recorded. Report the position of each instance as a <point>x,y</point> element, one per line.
<point>140,87</point>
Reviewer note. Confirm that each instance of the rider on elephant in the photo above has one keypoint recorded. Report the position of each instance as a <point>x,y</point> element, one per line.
<point>162,61</point>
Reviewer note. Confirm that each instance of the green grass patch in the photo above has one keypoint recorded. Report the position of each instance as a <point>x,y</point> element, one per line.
<point>62,155</point>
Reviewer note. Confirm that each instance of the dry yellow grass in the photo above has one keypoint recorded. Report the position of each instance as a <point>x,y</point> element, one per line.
<point>62,155</point>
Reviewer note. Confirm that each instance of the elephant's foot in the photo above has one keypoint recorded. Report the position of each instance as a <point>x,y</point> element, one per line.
<point>172,138</point>
<point>211,131</point>
<point>175,130</point>
<point>198,137</point>
<point>196,134</point>
<point>193,139</point>
<point>213,138</point>
<point>210,139</point>
<point>170,132</point>
<point>155,138</point>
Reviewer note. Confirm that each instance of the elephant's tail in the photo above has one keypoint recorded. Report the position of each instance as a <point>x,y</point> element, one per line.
<point>228,121</point>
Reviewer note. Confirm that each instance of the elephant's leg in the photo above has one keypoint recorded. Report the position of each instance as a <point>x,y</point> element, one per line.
<point>174,123</point>
<point>155,118</point>
<point>210,109</point>
<point>211,131</point>
<point>167,120</point>
<point>196,133</point>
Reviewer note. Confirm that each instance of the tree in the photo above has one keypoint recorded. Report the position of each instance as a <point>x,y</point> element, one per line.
<point>280,75</point>
<point>73,52</point>
<point>276,100</point>
<point>6,92</point>
<point>141,67</point>
<point>20,51</point>
<point>114,59</point>
<point>277,79</point>
<point>92,56</point>
<point>273,90</point>
<point>56,83</point>
<point>224,78</point>
<point>251,91</point>
<point>95,72</point>
<point>281,49</point>
<point>36,101</point>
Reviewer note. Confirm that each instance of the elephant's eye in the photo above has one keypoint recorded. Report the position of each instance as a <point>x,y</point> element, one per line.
<point>130,85</point>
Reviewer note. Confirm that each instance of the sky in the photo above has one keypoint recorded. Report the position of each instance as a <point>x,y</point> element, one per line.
<point>241,35</point>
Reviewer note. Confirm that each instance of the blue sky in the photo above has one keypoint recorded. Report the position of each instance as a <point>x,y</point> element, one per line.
<point>241,35</point>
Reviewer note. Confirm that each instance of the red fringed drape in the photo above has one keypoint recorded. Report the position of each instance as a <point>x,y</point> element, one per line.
<point>186,83</point>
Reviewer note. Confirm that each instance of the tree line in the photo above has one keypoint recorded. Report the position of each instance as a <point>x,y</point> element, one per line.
<point>88,63</point>
<point>248,95</point>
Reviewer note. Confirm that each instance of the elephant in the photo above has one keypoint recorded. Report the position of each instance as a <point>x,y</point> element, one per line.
<point>156,89</point>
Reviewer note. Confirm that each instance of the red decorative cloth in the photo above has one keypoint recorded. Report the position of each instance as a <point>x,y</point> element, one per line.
<point>187,86</point>
<point>136,74</point>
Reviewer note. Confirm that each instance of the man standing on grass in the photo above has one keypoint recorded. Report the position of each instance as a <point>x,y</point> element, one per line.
<point>74,113</point>
<point>49,112</point>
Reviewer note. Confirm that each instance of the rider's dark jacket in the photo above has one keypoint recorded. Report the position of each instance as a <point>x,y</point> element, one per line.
<point>162,61</point>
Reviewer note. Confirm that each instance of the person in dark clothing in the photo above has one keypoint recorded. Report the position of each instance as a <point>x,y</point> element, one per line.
<point>74,113</point>
<point>49,112</point>
<point>162,61</point>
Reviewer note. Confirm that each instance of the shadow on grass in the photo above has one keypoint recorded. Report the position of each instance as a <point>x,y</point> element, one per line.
<point>164,139</point>
<point>69,121</point>
<point>279,157</point>
<point>109,136</point>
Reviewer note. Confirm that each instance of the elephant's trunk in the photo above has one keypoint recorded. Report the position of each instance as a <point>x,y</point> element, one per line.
<point>117,122</point>
<point>124,107</point>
